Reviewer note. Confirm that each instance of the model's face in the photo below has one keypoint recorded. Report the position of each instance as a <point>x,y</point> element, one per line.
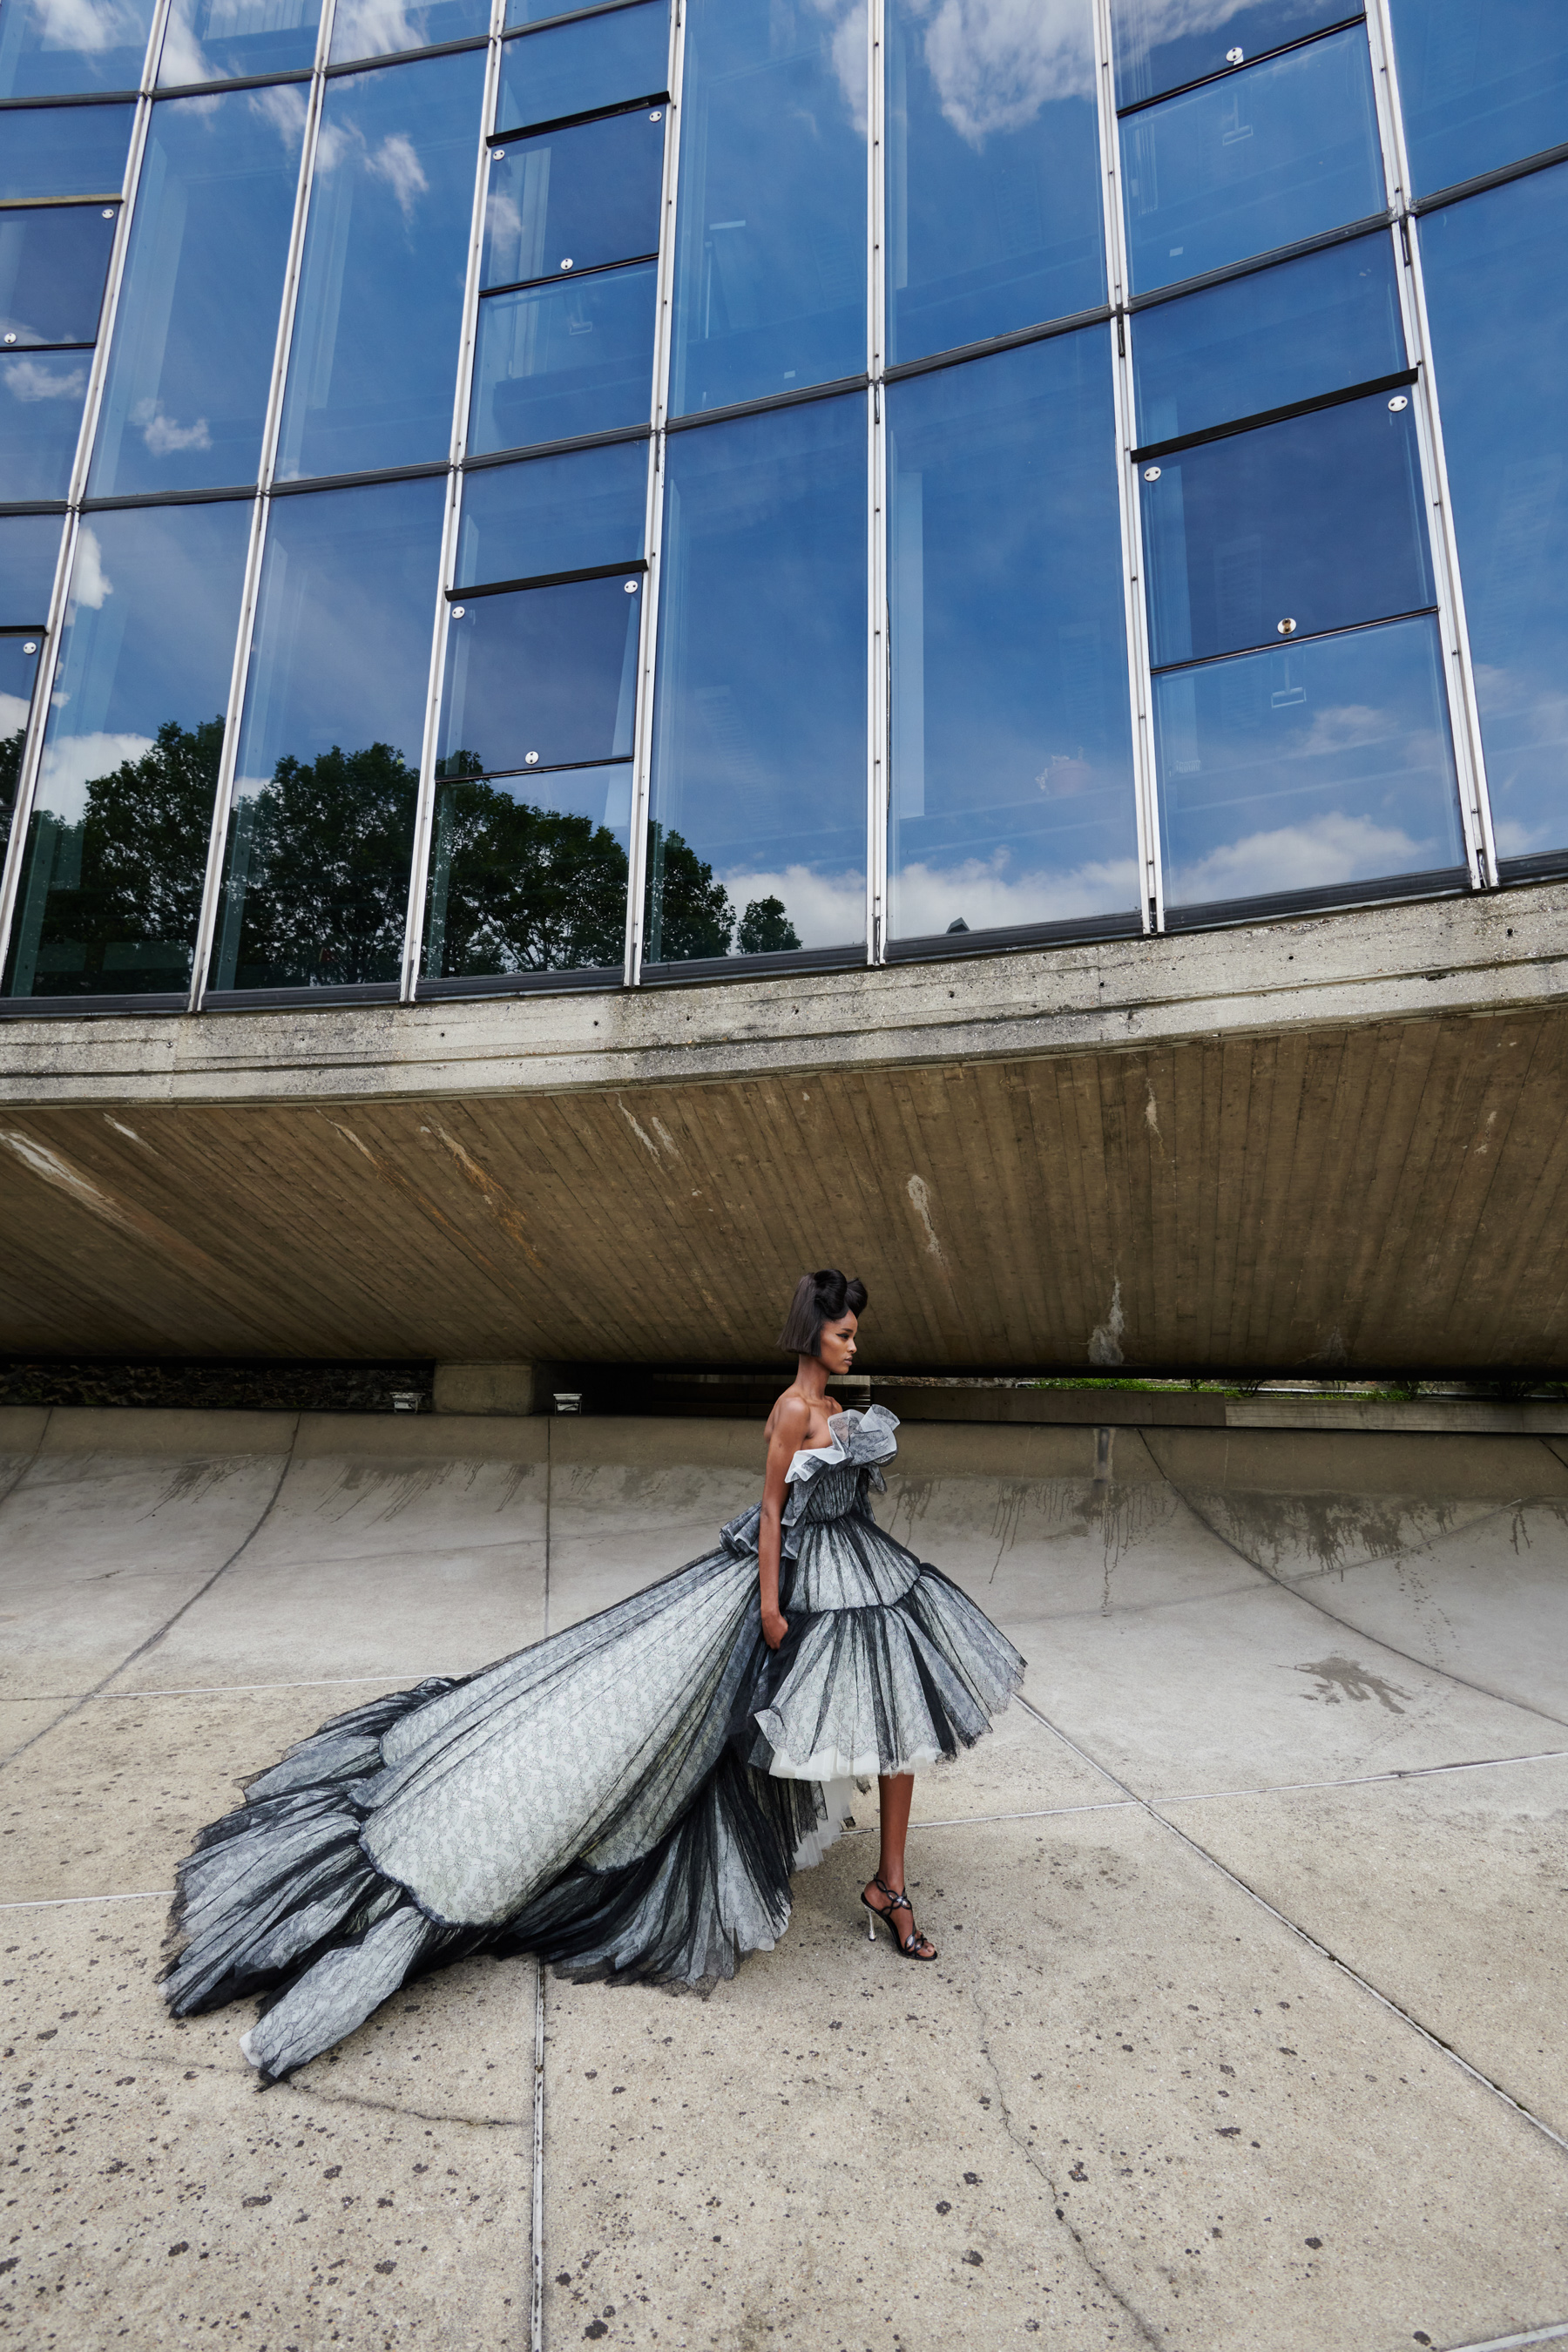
<point>836,1345</point>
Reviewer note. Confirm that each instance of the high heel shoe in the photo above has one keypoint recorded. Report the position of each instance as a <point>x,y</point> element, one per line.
<point>909,1945</point>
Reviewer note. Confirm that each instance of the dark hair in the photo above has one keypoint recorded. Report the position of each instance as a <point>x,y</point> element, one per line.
<point>821,1297</point>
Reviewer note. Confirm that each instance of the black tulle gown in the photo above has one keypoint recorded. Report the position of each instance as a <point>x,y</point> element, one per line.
<point>628,1797</point>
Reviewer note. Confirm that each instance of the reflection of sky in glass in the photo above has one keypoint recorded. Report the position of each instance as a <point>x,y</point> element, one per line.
<point>546,678</point>
<point>993,209</point>
<point>566,513</point>
<point>1318,324</point>
<point>215,40</point>
<point>42,397</point>
<point>19,675</point>
<point>149,637</point>
<point>1162,44</point>
<point>1013,796</point>
<point>52,48</point>
<point>381,292</point>
<point>1317,521</point>
<point>759,758</point>
<point>65,151</point>
<point>1317,764</point>
<point>1256,161</point>
<point>563,360</point>
<point>343,636</point>
<point>1500,357</point>
<point>196,332</point>
<point>1479,86</point>
<point>602,60</point>
<point>575,199</point>
<point>380,28</point>
<point>53,262</point>
<point>29,549</point>
<point>771,266</point>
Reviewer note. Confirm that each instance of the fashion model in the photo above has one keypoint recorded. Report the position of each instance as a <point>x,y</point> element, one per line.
<point>628,1797</point>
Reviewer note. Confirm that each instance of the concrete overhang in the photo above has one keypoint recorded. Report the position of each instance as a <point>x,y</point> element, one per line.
<point>1330,1142</point>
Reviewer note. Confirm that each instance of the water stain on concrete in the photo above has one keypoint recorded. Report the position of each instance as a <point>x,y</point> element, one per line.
<point>1340,1678</point>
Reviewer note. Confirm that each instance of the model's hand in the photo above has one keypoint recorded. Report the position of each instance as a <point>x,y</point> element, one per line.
<point>774,1628</point>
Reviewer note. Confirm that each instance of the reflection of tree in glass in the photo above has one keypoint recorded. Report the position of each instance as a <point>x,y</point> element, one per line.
<point>514,887</point>
<point>318,873</point>
<point>127,876</point>
<point>765,929</point>
<point>10,771</point>
<point>689,914</point>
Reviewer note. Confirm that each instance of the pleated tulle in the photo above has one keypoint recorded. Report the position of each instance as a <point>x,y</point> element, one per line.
<point>626,1799</point>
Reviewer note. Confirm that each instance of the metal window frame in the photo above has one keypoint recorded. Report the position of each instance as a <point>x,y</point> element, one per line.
<point>1141,694</point>
<point>878,667</point>
<point>1464,704</point>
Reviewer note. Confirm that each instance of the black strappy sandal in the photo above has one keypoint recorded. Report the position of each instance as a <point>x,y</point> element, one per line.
<point>909,1945</point>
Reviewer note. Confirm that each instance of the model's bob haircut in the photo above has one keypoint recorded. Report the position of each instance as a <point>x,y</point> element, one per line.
<point>820,1299</point>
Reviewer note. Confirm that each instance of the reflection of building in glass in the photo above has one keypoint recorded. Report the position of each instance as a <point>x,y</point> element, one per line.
<point>496,497</point>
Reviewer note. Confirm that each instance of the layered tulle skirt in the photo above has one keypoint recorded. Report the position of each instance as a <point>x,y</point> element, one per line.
<point>626,1798</point>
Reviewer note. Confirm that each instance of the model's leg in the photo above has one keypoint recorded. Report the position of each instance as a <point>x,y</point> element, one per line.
<point>896,1792</point>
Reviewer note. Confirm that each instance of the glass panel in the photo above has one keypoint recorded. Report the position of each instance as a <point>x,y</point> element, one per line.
<point>41,401</point>
<point>543,678</point>
<point>118,837</point>
<point>30,549</point>
<point>759,833</point>
<point>1161,48</point>
<point>213,40</point>
<point>379,28</point>
<point>1319,324</point>
<point>65,151</point>
<point>771,268</point>
<point>564,360</point>
<point>1501,353</point>
<point>190,362</point>
<point>19,657</point>
<point>1316,764</point>
<point>994,210</point>
<point>1316,522</point>
<point>52,263</point>
<point>1012,792</point>
<point>1479,86</point>
<point>605,60</point>
<point>374,355</point>
<point>49,49</point>
<point>575,199</point>
<point>553,514</point>
<point>529,876</point>
<point>1256,161</point>
<point>316,875</point>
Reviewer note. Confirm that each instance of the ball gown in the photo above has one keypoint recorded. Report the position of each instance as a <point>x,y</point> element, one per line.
<point>626,1798</point>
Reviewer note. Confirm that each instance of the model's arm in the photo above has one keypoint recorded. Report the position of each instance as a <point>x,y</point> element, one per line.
<point>791,1421</point>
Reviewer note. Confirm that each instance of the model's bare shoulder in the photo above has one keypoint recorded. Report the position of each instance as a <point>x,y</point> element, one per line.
<point>789,1420</point>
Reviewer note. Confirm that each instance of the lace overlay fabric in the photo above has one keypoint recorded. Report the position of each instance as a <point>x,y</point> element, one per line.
<point>628,1797</point>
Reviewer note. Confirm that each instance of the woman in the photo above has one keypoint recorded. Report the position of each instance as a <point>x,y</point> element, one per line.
<point>626,1797</point>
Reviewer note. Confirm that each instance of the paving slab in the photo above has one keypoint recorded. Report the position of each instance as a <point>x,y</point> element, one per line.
<point>1450,1893</point>
<point>156,2196</point>
<point>110,1800</point>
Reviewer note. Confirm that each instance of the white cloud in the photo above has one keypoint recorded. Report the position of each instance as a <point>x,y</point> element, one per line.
<point>397,161</point>
<point>826,909</point>
<point>284,108</point>
<point>926,898</point>
<point>88,24</point>
<point>91,585</point>
<point>163,435</point>
<point>29,380</point>
<point>373,28</point>
<point>996,63</point>
<point>13,713</point>
<point>72,762</point>
<point>183,57</point>
<point>1331,848</point>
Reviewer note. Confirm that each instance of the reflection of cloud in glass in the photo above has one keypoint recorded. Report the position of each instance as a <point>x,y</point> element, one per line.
<point>996,63</point>
<point>89,26</point>
<point>89,582</point>
<point>396,163</point>
<point>284,108</point>
<point>72,762</point>
<point>990,894</point>
<point>29,380</point>
<point>373,28</point>
<point>825,910</point>
<point>1335,847</point>
<point>849,50</point>
<point>161,433</point>
<point>13,713</point>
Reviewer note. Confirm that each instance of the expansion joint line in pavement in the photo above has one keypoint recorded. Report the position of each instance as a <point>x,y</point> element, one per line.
<point>1304,1935</point>
<point>170,1622</point>
<point>49,1417</point>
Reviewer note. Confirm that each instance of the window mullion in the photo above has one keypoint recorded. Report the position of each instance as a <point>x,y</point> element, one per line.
<point>878,665</point>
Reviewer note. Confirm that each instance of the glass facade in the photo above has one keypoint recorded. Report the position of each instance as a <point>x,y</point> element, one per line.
<point>500,496</point>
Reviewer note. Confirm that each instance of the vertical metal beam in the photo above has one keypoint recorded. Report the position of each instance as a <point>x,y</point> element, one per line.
<point>1464,708</point>
<point>1151,886</point>
<point>877,647</point>
<point>211,888</point>
<point>653,517</point>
